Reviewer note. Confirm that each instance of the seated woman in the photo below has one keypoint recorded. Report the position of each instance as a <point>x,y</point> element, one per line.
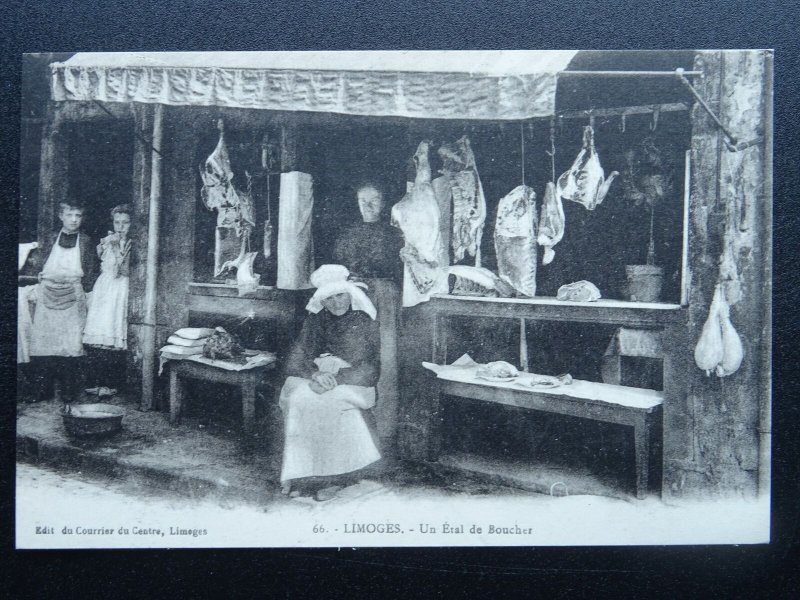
<point>332,370</point>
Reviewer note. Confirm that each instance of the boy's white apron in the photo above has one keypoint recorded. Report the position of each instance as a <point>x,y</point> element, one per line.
<point>325,433</point>
<point>61,305</point>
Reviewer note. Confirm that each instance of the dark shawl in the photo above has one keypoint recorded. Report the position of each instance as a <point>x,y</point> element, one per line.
<point>353,337</point>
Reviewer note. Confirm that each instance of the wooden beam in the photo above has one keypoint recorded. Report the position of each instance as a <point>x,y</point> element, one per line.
<point>151,277</point>
<point>618,111</point>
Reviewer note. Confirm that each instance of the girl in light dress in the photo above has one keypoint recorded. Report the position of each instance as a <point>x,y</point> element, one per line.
<point>107,318</point>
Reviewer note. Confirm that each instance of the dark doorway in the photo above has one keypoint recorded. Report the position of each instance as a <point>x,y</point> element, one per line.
<point>100,171</point>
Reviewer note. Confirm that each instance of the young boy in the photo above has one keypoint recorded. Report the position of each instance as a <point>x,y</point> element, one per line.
<point>68,272</point>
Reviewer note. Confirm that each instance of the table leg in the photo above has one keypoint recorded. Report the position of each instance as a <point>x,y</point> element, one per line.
<point>641,432</point>
<point>433,392</point>
<point>248,404</point>
<point>175,396</point>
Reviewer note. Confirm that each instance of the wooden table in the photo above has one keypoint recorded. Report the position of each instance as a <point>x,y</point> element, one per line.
<point>246,380</point>
<point>642,417</point>
<point>668,319</point>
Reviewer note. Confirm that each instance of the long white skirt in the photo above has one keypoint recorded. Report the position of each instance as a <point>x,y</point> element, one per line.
<point>107,319</point>
<point>325,434</point>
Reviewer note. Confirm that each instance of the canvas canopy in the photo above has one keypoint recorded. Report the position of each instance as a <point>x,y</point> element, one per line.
<point>494,85</point>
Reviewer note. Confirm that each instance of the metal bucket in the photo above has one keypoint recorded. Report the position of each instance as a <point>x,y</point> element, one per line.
<point>92,420</point>
<point>644,282</point>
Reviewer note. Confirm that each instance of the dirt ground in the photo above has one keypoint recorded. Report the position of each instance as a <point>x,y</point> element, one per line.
<point>72,509</point>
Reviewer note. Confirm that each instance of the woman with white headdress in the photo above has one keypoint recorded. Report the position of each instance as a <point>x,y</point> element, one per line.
<point>332,371</point>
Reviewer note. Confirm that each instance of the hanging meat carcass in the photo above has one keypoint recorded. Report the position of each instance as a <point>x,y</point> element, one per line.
<point>469,202</point>
<point>551,223</point>
<point>417,216</point>
<point>584,183</point>
<point>217,175</point>
<point>515,239</point>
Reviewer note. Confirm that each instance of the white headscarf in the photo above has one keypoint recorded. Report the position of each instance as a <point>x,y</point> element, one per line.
<point>331,280</point>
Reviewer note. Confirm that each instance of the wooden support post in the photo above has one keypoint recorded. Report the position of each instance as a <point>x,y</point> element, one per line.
<point>151,276</point>
<point>765,406</point>
<point>288,146</point>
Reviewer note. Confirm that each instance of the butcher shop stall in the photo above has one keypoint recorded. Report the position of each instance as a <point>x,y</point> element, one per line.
<point>581,303</point>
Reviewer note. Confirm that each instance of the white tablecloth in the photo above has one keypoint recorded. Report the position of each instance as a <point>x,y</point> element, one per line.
<point>463,370</point>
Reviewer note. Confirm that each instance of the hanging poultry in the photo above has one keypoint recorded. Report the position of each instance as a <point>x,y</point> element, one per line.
<point>584,183</point>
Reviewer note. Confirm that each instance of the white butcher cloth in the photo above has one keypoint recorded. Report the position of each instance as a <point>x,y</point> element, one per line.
<point>25,295</point>
<point>295,244</point>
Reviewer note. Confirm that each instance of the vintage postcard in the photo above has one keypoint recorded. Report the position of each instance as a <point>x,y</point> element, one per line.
<point>394,298</point>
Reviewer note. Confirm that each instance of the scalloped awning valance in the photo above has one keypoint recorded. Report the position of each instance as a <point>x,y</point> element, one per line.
<point>490,85</point>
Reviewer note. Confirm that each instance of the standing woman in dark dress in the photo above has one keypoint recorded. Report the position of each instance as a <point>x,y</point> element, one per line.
<point>332,371</point>
<point>371,251</point>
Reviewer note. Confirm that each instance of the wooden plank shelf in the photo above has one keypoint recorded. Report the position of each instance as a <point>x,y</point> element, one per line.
<point>611,312</point>
<point>262,292</point>
<point>282,306</point>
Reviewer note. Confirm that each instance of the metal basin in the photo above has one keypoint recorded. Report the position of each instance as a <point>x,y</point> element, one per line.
<point>92,420</point>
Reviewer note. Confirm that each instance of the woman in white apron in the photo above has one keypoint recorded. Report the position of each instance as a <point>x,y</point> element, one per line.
<point>332,370</point>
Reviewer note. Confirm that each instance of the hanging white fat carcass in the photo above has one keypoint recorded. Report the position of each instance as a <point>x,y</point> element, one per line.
<point>708,351</point>
<point>584,183</point>
<point>515,239</point>
<point>719,348</point>
<point>417,216</point>
<point>469,202</point>
<point>732,349</point>
<point>551,223</point>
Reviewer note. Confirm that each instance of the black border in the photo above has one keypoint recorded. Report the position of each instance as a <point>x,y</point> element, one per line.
<point>83,25</point>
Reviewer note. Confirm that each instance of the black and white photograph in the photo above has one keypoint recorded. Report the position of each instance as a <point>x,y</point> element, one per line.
<point>395,298</point>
